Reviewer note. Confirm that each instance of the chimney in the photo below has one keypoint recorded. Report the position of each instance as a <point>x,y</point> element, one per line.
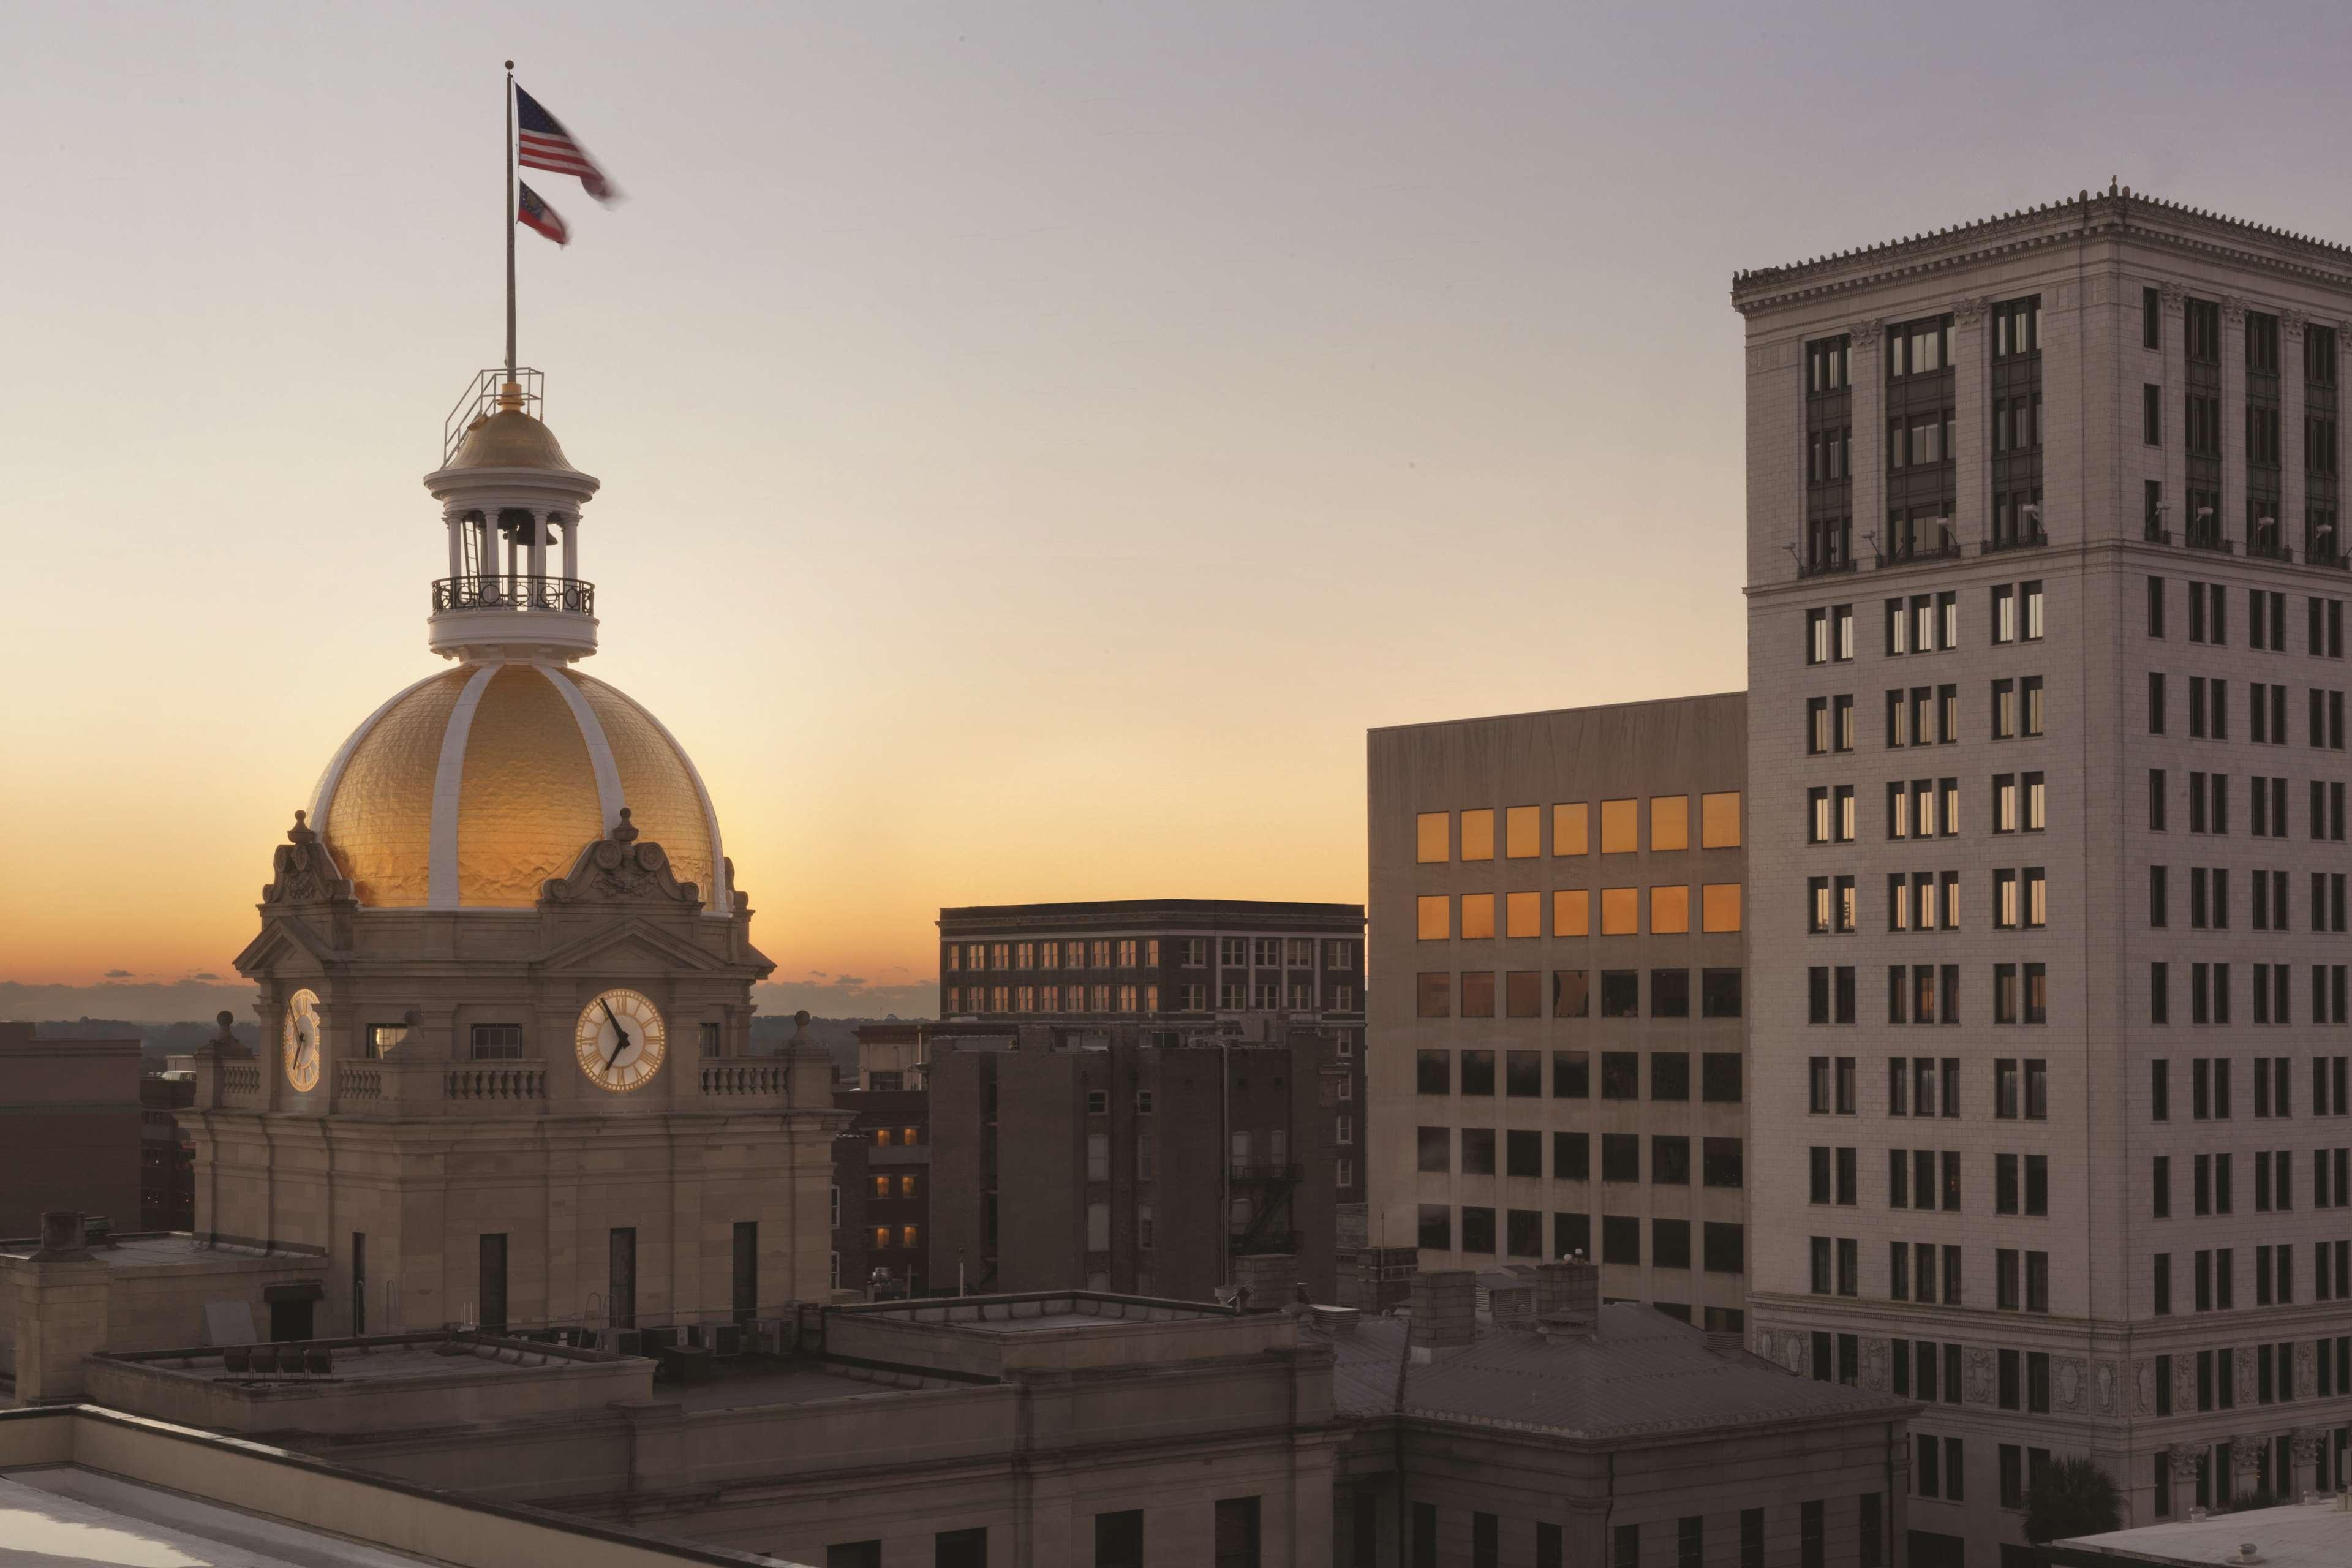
<point>1567,1295</point>
<point>1445,1312</point>
<point>1270,1278</point>
<point>62,1237</point>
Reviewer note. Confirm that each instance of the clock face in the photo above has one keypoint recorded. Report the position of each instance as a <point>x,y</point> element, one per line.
<point>620,1041</point>
<point>299,1039</point>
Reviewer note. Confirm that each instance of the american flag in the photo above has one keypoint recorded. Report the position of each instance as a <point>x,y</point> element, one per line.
<point>541,143</point>
<point>534,214</point>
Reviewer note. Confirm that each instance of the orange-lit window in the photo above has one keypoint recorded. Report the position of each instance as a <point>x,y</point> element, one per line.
<point>906,1235</point>
<point>1718,906</point>
<point>1670,821</point>
<point>1571,833</point>
<point>882,1137</point>
<point>1522,833</point>
<point>1571,913</point>
<point>1152,999</point>
<point>1620,912</point>
<point>955,955</point>
<point>1477,916</point>
<point>1434,917</point>
<point>907,1136</point>
<point>1433,838</point>
<point>999,999</point>
<point>1618,832</point>
<point>906,1186</point>
<point>881,1186</point>
<point>881,1237</point>
<point>1479,835</point>
<point>1523,914</point>
<point>1669,912</point>
<point>1718,820</point>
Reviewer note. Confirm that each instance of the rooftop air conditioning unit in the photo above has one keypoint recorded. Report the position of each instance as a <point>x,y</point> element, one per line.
<point>726,1340</point>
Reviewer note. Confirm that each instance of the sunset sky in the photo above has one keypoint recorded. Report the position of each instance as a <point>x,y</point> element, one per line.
<point>1037,441</point>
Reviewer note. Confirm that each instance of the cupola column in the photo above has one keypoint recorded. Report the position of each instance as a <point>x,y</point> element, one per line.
<point>455,520</point>
<point>571,546</point>
<point>538,549</point>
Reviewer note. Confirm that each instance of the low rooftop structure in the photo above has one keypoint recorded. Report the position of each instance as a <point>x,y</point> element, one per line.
<point>887,1430</point>
<point>334,1386</point>
<point>1562,1429</point>
<point>2293,1535</point>
<point>84,1485</point>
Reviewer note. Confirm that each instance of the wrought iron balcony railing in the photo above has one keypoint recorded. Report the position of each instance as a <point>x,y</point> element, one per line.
<point>515,591</point>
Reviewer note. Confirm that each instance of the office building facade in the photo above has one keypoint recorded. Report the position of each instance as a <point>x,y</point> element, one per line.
<point>1173,963</point>
<point>1557,907</point>
<point>2046,663</point>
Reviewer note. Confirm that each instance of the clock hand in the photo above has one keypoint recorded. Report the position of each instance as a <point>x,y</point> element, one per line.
<point>621,1043</point>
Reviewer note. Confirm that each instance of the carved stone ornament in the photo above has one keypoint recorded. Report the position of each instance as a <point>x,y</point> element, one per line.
<point>2185,1458</point>
<point>2172,296</point>
<point>2070,1382</point>
<point>2309,1444</point>
<point>2184,1382</point>
<point>2291,326</point>
<point>2103,1388</point>
<point>1969,312</point>
<point>1979,1384</point>
<point>2233,310</point>
<point>2246,1451</point>
<point>1864,334</point>
<point>301,871</point>
<point>2143,1387</point>
<point>2306,1372</point>
<point>2246,1355</point>
<point>1874,1364</point>
<point>620,869</point>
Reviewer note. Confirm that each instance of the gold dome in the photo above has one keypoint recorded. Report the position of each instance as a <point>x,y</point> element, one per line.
<point>473,786</point>
<point>510,440</point>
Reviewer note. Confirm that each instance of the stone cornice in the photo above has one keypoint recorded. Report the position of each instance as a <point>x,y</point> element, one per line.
<point>2147,219</point>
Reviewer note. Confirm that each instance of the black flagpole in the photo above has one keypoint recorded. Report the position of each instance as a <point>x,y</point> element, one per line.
<point>506,159</point>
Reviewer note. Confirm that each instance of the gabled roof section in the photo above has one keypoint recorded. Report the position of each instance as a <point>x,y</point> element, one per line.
<point>2063,221</point>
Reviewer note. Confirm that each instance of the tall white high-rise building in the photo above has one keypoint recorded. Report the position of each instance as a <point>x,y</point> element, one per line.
<point>2046,771</point>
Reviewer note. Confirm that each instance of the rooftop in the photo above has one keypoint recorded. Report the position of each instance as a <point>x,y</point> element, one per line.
<point>171,1250</point>
<point>84,1485</point>
<point>2297,1535</point>
<point>2118,208</point>
<point>1642,1374</point>
<point>1139,912</point>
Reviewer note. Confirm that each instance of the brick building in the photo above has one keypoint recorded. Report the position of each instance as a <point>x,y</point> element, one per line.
<point>1099,1158</point>
<point>882,1194</point>
<point>167,1155</point>
<point>69,1129</point>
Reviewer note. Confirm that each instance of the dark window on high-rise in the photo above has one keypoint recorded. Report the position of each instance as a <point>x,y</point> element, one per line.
<point>1720,992</point>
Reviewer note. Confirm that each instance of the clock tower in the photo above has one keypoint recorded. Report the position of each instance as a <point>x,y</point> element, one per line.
<point>505,981</point>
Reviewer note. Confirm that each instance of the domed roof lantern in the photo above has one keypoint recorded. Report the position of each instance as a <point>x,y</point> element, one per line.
<point>510,505</point>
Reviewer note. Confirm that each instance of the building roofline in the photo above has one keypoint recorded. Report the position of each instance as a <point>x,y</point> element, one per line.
<point>2110,214</point>
<point>1261,908</point>
<point>1740,692</point>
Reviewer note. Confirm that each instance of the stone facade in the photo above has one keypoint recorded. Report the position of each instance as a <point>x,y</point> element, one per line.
<point>2041,1136</point>
<point>393,1167</point>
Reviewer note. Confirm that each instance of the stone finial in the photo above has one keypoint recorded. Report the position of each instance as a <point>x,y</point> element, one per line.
<point>625,831</point>
<point>301,833</point>
<point>800,1027</point>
